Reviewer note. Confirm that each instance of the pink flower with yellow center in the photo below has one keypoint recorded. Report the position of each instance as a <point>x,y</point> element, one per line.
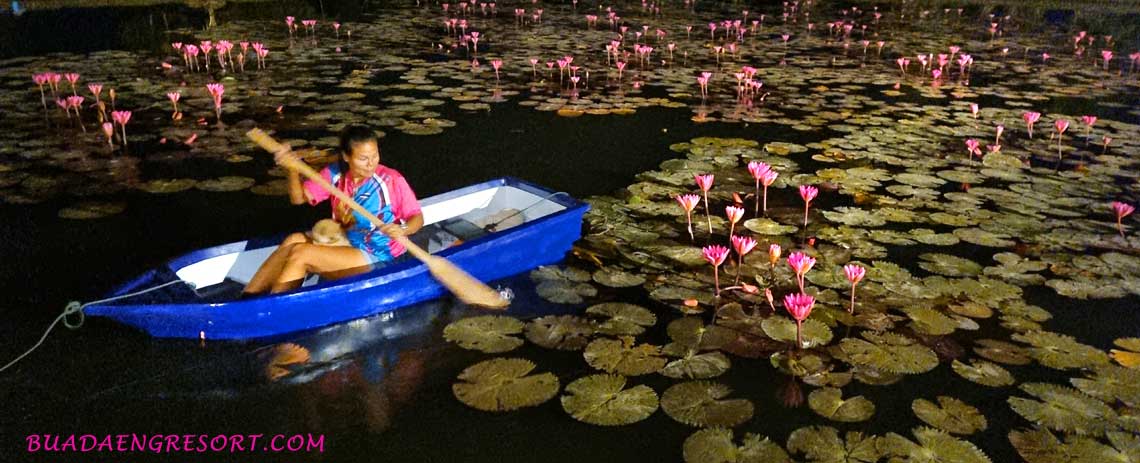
<point>1122,210</point>
<point>799,306</point>
<point>688,203</point>
<point>808,193</point>
<point>800,263</point>
<point>854,274</point>
<point>715,255</point>
<point>705,182</point>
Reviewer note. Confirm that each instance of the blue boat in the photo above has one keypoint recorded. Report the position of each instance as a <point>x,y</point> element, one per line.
<point>492,230</point>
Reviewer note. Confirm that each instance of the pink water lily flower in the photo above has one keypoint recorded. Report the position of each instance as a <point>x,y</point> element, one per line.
<point>1030,118</point>
<point>174,97</point>
<point>757,170</point>
<point>715,255</point>
<point>705,182</point>
<point>808,193</point>
<point>1088,121</point>
<point>767,179</point>
<point>854,275</point>
<point>1061,126</point>
<point>742,245</point>
<point>1122,210</point>
<point>121,118</point>
<point>216,91</point>
<point>800,263</point>
<point>688,203</point>
<point>734,214</point>
<point>799,306</point>
<point>973,146</point>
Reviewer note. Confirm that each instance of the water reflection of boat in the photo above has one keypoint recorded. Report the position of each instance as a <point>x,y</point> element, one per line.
<point>374,341</point>
<point>548,224</point>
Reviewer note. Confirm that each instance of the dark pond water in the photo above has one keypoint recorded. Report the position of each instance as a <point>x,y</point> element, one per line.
<point>379,389</point>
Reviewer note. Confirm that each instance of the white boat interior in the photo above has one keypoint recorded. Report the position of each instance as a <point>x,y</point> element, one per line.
<point>446,221</point>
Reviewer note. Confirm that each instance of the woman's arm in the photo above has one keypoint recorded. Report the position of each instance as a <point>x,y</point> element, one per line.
<point>411,226</point>
<point>414,224</point>
<point>297,193</point>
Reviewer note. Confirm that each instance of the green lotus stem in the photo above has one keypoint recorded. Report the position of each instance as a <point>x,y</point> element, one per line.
<point>799,335</point>
<point>707,214</point>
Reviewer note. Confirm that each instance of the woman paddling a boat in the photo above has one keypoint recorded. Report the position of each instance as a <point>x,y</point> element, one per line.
<point>379,188</point>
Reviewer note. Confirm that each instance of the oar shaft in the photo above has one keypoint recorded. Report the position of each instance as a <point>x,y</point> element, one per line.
<point>271,145</point>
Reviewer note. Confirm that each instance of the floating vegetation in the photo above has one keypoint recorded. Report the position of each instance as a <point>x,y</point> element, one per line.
<point>1063,409</point>
<point>226,184</point>
<point>954,240</point>
<point>984,373</point>
<point>486,333</point>
<point>702,403</point>
<point>829,403</point>
<point>623,357</point>
<point>822,444</point>
<point>503,384</point>
<point>934,445</point>
<point>562,332</point>
<point>715,445</point>
<point>563,286</point>
<point>622,318</point>
<point>87,210</point>
<point>950,415</point>
<point>605,401</point>
<point>1060,351</point>
<point>887,352</point>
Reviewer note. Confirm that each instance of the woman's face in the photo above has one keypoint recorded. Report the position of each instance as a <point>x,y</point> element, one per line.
<point>363,159</point>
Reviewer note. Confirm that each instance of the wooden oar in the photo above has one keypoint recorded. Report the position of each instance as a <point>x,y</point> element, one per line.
<point>464,286</point>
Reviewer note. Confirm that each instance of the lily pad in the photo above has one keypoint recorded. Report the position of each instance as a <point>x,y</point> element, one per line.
<point>822,444</point>
<point>615,278</point>
<point>622,356</point>
<point>562,332</point>
<point>815,333</point>
<point>603,400</point>
<point>715,445</point>
<point>769,227</point>
<point>984,373</point>
<point>622,318</point>
<point>699,403</point>
<point>949,414</point>
<point>698,366</point>
<point>486,333</point>
<point>1060,351</point>
<point>88,210</point>
<point>829,403</point>
<point>888,352</point>
<point>933,446</point>
<point>502,384</point>
<point>1063,409</point>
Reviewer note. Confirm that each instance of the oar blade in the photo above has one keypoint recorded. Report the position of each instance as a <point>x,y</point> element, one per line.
<point>465,287</point>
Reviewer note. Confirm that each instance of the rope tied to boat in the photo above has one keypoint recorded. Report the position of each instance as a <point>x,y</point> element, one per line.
<point>75,307</point>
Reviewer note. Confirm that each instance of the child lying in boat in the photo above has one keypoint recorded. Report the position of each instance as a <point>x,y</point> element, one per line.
<point>378,188</point>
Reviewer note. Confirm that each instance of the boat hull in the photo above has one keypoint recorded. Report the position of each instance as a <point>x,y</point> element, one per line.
<point>540,242</point>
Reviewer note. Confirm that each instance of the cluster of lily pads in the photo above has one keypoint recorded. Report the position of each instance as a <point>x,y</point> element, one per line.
<point>403,70</point>
<point>908,321</point>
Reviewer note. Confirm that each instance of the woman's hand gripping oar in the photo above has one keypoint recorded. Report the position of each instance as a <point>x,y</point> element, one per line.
<point>464,286</point>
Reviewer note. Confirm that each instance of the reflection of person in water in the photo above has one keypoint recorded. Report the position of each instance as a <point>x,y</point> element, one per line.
<point>365,389</point>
